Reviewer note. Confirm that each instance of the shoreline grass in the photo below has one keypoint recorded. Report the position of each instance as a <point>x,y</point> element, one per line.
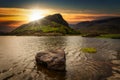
<point>113,36</point>
<point>88,50</point>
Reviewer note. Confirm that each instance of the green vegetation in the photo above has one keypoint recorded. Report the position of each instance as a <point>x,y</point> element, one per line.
<point>113,36</point>
<point>61,29</point>
<point>49,29</point>
<point>90,35</point>
<point>89,50</point>
<point>29,28</point>
<point>52,28</point>
<point>49,25</point>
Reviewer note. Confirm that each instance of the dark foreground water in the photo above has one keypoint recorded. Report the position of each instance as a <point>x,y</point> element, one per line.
<point>17,58</point>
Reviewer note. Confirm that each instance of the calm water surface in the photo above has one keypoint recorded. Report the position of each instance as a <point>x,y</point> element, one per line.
<point>17,58</point>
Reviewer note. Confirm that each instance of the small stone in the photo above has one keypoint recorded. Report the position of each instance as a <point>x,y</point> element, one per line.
<point>116,69</point>
<point>116,62</point>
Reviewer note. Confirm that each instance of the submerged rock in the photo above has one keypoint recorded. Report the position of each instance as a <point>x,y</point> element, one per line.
<point>52,59</point>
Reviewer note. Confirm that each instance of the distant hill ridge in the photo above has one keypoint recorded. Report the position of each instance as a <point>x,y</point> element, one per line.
<point>107,26</point>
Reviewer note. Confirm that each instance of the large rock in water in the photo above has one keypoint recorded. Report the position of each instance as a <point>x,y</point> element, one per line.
<point>52,59</point>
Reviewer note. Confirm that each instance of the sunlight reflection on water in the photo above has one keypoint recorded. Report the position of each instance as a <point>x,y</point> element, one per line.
<point>17,55</point>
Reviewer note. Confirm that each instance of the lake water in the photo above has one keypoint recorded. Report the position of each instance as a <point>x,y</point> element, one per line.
<point>17,58</point>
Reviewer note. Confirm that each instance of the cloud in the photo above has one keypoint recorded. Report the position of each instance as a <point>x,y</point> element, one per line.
<point>10,23</point>
<point>75,18</point>
<point>14,14</point>
<point>4,15</point>
<point>7,26</point>
<point>14,11</point>
<point>72,16</point>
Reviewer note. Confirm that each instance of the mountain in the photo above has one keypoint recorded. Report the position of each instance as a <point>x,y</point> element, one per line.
<point>104,26</point>
<point>49,25</point>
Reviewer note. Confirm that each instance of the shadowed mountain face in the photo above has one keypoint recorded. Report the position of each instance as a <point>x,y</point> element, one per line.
<point>49,25</point>
<point>111,25</point>
<point>57,18</point>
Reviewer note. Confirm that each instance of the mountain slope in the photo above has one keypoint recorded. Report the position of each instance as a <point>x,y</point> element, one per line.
<point>50,25</point>
<point>105,26</point>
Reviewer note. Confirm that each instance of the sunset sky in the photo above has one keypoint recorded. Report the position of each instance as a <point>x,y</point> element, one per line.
<point>16,12</point>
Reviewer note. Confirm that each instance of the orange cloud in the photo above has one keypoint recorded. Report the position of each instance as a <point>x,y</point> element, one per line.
<point>11,23</point>
<point>74,18</point>
<point>16,14</point>
<point>13,14</point>
<point>21,16</point>
<point>14,11</point>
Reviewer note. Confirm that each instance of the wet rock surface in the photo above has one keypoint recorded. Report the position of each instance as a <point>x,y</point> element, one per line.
<point>116,68</point>
<point>52,59</point>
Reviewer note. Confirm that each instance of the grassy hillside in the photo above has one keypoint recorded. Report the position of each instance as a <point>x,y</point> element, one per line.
<point>43,27</point>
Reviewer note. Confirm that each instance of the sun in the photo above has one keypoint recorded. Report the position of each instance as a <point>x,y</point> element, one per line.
<point>36,14</point>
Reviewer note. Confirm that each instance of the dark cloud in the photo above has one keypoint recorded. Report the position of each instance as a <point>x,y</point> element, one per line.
<point>8,23</point>
<point>5,15</point>
<point>7,26</point>
<point>100,6</point>
<point>92,17</point>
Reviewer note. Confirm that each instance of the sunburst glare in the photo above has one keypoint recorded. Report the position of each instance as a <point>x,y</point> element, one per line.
<point>36,14</point>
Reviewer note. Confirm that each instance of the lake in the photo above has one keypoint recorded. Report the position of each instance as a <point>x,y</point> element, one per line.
<point>17,58</point>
